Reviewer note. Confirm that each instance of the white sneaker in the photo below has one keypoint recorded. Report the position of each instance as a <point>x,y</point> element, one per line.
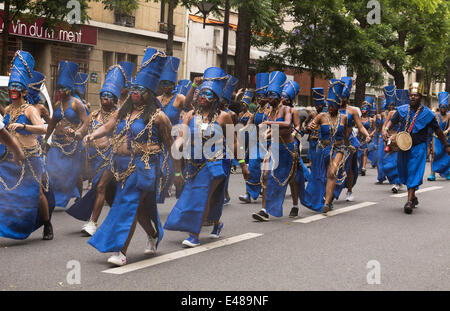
<point>90,228</point>
<point>151,246</point>
<point>349,197</point>
<point>118,259</point>
<point>395,188</point>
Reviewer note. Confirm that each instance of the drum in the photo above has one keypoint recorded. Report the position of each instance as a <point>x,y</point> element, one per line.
<point>400,142</point>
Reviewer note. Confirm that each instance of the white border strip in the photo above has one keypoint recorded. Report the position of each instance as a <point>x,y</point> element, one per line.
<point>401,195</point>
<point>180,254</point>
<point>334,212</point>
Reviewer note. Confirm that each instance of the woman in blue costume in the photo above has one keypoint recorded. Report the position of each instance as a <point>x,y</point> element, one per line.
<point>173,104</point>
<point>90,206</point>
<point>369,125</point>
<point>353,120</point>
<point>69,122</point>
<point>417,120</point>
<point>380,149</point>
<point>388,159</point>
<point>332,152</point>
<point>138,129</point>
<point>313,137</point>
<point>297,185</point>
<point>203,195</point>
<point>257,150</point>
<point>26,200</point>
<point>440,160</point>
<point>281,162</point>
<point>372,148</point>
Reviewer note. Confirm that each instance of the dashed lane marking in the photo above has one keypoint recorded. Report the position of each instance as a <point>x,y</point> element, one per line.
<point>401,195</point>
<point>180,254</point>
<point>334,212</point>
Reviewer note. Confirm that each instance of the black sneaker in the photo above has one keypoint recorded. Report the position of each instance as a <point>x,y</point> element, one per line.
<point>48,232</point>
<point>326,208</point>
<point>408,208</point>
<point>294,212</point>
<point>415,202</point>
<point>363,172</point>
<point>261,216</point>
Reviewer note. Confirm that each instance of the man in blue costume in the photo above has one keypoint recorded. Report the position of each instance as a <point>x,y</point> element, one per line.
<point>440,161</point>
<point>415,121</point>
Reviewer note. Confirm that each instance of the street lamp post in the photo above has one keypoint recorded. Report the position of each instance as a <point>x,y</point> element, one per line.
<point>205,7</point>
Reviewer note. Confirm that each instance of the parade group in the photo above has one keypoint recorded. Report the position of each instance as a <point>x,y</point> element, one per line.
<point>124,150</point>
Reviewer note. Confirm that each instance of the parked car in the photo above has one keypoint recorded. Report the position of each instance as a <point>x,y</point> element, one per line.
<point>4,95</point>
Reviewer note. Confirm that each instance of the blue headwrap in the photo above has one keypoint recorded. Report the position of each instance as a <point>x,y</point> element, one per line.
<point>81,80</point>
<point>389,94</point>
<point>22,68</point>
<point>215,79</point>
<point>171,69</point>
<point>34,88</point>
<point>291,89</point>
<point>149,72</point>
<point>262,82</point>
<point>67,73</point>
<point>319,96</point>
<point>128,68</point>
<point>367,103</point>
<point>348,84</point>
<point>247,98</point>
<point>276,82</point>
<point>443,99</point>
<point>335,92</point>
<point>114,81</point>
<point>229,88</point>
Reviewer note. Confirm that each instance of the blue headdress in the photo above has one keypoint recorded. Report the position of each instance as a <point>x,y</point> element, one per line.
<point>171,69</point>
<point>276,82</point>
<point>215,79</point>
<point>22,68</point>
<point>149,72</point>
<point>247,98</point>
<point>367,103</point>
<point>229,88</point>
<point>443,99</point>
<point>291,89</point>
<point>114,81</point>
<point>335,92</point>
<point>34,88</point>
<point>81,80</point>
<point>128,68</point>
<point>67,74</point>
<point>262,82</point>
<point>348,84</point>
<point>319,96</point>
<point>389,94</point>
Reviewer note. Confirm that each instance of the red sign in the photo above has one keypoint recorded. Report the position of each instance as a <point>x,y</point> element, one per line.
<point>81,34</point>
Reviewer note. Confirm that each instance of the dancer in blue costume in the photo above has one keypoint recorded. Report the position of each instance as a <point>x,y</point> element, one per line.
<point>90,206</point>
<point>138,129</point>
<point>313,137</point>
<point>367,122</point>
<point>26,200</point>
<point>69,122</point>
<point>353,119</point>
<point>297,185</point>
<point>257,150</point>
<point>380,118</point>
<point>173,104</point>
<point>389,158</point>
<point>440,160</point>
<point>281,161</point>
<point>202,198</point>
<point>372,148</point>
<point>416,120</point>
<point>225,103</point>
<point>332,152</point>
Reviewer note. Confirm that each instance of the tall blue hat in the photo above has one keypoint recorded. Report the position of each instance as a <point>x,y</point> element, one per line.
<point>389,94</point>
<point>67,74</point>
<point>231,85</point>
<point>22,68</point>
<point>384,105</point>
<point>34,88</point>
<point>81,80</point>
<point>114,81</point>
<point>291,89</point>
<point>247,98</point>
<point>335,92</point>
<point>128,68</point>
<point>183,87</point>
<point>368,101</point>
<point>402,97</point>
<point>262,82</point>
<point>319,96</point>
<point>215,79</point>
<point>276,82</point>
<point>152,66</point>
<point>348,84</point>
<point>443,99</point>
<point>171,69</point>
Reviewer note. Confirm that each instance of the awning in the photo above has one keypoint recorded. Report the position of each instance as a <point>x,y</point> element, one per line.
<point>255,54</point>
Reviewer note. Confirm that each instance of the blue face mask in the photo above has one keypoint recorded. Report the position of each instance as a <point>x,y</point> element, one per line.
<point>16,86</point>
<point>137,89</point>
<point>207,93</point>
<point>107,95</point>
<point>273,95</point>
<point>166,83</point>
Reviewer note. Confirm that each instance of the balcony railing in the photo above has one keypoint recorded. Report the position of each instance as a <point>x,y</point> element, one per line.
<point>124,20</point>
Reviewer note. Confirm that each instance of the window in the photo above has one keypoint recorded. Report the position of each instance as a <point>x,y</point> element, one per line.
<point>133,59</point>
<point>125,20</point>
<point>121,57</point>
<point>108,60</point>
<point>164,14</point>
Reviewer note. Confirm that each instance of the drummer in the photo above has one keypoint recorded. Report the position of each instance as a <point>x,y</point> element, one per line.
<point>416,121</point>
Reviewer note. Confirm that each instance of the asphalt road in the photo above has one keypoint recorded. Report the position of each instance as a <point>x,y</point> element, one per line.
<point>409,252</point>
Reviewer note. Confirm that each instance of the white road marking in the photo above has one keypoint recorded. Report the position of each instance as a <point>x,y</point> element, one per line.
<point>180,254</point>
<point>401,195</point>
<point>334,212</point>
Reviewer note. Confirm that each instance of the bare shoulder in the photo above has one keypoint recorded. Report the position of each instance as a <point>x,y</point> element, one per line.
<point>224,117</point>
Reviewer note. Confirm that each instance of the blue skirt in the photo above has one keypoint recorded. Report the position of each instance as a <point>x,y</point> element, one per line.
<point>373,150</point>
<point>389,169</point>
<point>411,165</point>
<point>188,212</point>
<point>441,160</point>
<point>64,171</point>
<point>82,209</point>
<point>256,157</point>
<point>19,214</point>
<point>381,154</point>
<point>279,176</point>
<point>351,164</point>
<point>114,231</point>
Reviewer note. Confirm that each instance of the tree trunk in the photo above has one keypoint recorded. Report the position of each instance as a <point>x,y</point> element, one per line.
<point>360,91</point>
<point>226,22</point>
<point>399,80</point>
<point>428,90</point>
<point>171,28</point>
<point>447,78</point>
<point>242,56</point>
<point>5,37</point>
<point>313,81</point>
